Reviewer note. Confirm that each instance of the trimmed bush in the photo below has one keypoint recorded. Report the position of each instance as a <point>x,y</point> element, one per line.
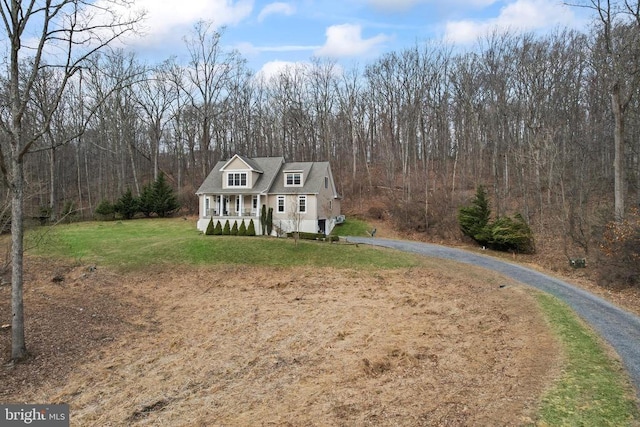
<point>234,229</point>
<point>242,230</point>
<point>269,223</point>
<point>218,230</point>
<point>251,229</point>
<point>210,228</point>
<point>226,230</point>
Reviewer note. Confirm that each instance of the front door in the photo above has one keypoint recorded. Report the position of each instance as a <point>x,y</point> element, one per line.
<point>322,224</point>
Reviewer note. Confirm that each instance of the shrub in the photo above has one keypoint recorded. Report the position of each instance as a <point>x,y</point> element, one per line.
<point>503,234</point>
<point>251,229</point>
<point>242,230</point>
<point>511,234</point>
<point>234,229</point>
<point>263,219</point>
<point>226,230</point>
<point>269,222</point>
<point>218,230</point>
<point>210,228</point>
<point>105,210</point>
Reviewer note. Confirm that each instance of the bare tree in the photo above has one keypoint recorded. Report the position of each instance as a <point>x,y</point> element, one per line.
<point>74,30</point>
<point>618,43</point>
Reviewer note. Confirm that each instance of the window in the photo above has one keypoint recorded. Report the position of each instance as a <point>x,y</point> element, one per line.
<point>293,179</point>
<point>302,204</point>
<point>281,204</point>
<point>254,203</point>
<point>326,182</point>
<point>237,179</point>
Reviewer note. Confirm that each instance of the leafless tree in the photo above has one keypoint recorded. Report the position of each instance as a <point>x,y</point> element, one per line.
<point>34,30</point>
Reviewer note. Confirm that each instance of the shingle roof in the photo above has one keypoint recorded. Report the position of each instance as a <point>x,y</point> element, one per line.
<point>269,166</point>
<point>271,179</point>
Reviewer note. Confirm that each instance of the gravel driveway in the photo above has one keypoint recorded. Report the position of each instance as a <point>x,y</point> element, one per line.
<point>617,326</point>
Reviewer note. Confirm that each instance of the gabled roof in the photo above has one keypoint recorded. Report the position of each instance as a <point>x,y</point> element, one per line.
<point>314,173</point>
<point>268,167</point>
<point>271,178</point>
<point>247,160</point>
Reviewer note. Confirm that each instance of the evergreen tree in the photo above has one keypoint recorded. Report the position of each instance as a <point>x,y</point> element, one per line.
<point>226,230</point>
<point>127,205</point>
<point>242,230</point>
<point>234,229</point>
<point>474,219</point>
<point>269,222</point>
<point>263,219</point>
<point>105,210</point>
<point>251,229</point>
<point>165,201</point>
<point>146,201</point>
<point>210,228</point>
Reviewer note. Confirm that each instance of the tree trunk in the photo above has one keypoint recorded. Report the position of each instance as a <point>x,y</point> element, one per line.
<point>18,346</point>
<point>618,161</point>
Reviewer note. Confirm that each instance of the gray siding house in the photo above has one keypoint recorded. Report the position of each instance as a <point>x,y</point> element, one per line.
<point>302,194</point>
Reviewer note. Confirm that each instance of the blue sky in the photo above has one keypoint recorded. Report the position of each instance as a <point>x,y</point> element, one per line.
<point>272,34</point>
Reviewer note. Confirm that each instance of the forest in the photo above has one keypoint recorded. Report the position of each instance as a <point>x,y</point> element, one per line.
<point>549,124</point>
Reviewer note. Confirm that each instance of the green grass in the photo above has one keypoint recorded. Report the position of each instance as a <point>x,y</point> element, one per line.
<point>593,390</point>
<point>128,245</point>
<point>352,227</point>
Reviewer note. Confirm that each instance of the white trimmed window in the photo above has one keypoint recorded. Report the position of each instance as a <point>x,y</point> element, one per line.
<point>237,179</point>
<point>281,205</point>
<point>293,179</point>
<point>302,204</point>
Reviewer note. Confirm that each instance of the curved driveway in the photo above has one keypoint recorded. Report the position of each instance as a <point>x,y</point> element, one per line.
<point>619,327</point>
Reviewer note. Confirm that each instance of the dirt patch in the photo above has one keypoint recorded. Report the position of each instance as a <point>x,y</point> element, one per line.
<point>229,346</point>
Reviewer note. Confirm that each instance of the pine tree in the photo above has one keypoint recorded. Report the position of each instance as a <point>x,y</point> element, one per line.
<point>105,210</point>
<point>234,229</point>
<point>242,230</point>
<point>226,230</point>
<point>127,205</point>
<point>146,201</point>
<point>166,202</point>
<point>474,219</point>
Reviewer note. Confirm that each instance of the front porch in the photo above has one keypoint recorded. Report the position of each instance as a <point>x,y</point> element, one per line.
<point>231,207</point>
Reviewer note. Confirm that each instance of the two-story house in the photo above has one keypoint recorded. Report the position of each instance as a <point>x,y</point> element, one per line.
<point>302,194</point>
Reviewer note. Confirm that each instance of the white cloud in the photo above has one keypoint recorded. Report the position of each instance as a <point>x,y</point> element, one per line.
<point>277,8</point>
<point>346,41</point>
<point>166,16</point>
<point>521,15</point>
<point>274,68</point>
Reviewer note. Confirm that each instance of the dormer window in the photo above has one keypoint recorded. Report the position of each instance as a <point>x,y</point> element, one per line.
<point>237,179</point>
<point>293,179</point>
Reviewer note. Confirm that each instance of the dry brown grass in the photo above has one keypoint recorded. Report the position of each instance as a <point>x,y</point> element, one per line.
<point>265,346</point>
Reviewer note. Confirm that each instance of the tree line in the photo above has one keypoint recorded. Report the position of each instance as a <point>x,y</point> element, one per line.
<point>531,117</point>
<point>548,124</point>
